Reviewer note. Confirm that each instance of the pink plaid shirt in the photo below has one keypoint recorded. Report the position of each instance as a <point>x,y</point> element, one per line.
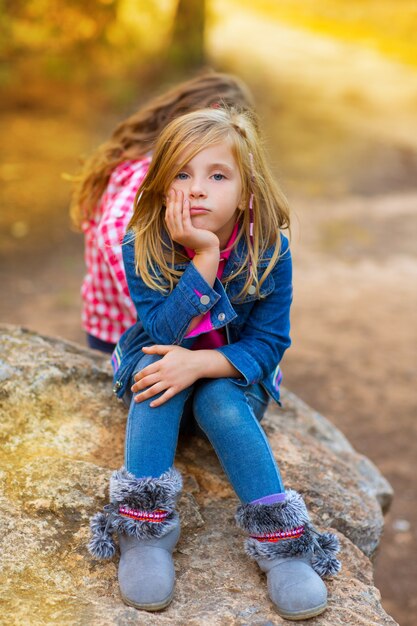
<point>107,308</point>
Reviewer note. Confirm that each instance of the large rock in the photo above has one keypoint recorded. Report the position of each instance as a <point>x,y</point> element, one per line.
<point>62,434</point>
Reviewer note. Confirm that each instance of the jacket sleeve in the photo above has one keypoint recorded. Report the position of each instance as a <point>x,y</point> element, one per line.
<point>166,318</point>
<point>266,334</point>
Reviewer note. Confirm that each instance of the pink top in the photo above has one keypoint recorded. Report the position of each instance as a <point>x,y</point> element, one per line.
<point>107,309</point>
<point>208,337</point>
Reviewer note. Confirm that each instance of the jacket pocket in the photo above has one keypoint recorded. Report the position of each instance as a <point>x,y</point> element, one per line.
<point>123,358</point>
<point>235,287</point>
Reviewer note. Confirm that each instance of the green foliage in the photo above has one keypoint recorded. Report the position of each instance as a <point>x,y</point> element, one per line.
<point>49,44</point>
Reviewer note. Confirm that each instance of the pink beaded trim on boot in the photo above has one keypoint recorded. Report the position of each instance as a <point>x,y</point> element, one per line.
<point>279,535</point>
<point>159,515</point>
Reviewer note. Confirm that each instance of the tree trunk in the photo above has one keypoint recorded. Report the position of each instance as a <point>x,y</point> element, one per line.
<point>186,50</point>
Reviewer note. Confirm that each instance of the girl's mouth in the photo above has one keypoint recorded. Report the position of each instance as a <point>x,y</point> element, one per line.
<point>198,210</point>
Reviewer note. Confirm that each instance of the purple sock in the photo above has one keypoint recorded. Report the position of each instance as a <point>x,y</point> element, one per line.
<point>274,497</point>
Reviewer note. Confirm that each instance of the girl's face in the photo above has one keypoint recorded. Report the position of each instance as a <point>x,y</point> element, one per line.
<point>212,183</point>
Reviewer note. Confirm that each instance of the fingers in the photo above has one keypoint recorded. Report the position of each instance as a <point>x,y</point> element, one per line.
<point>178,208</point>
<point>157,349</point>
<point>173,214</point>
<point>145,381</point>
<point>150,392</point>
<point>153,367</point>
<point>149,369</point>
<point>153,391</point>
<point>186,216</point>
<point>170,393</point>
<point>169,210</point>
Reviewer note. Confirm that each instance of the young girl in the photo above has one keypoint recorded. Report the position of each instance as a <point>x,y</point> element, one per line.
<point>210,275</point>
<point>103,201</point>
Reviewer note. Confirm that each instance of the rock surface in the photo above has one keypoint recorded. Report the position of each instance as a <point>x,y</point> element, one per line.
<point>62,434</point>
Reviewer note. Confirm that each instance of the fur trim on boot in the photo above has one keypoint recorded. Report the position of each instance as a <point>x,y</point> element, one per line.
<point>288,517</point>
<point>130,493</point>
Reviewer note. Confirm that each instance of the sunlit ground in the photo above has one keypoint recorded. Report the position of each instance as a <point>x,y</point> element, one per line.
<point>384,26</point>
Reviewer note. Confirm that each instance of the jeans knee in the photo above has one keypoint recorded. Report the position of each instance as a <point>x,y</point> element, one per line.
<point>144,361</point>
<point>211,393</point>
<point>216,404</point>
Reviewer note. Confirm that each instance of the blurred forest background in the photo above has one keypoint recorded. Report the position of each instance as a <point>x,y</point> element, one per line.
<point>336,87</point>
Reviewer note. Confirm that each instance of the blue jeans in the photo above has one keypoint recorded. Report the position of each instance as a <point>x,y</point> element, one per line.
<point>98,344</point>
<point>227,413</point>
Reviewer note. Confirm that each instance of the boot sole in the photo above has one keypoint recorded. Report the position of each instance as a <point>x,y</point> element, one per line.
<point>158,606</point>
<point>304,614</point>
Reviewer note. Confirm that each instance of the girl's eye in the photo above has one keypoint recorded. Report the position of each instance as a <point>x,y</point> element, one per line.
<point>218,176</point>
<point>181,176</point>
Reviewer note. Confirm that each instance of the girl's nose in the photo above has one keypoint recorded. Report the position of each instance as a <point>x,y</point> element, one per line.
<point>196,190</point>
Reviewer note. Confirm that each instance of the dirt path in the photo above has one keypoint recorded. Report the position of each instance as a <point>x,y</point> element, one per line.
<point>341,127</point>
<point>354,357</point>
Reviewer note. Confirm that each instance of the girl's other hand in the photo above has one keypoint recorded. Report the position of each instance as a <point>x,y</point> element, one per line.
<point>177,370</point>
<point>181,229</point>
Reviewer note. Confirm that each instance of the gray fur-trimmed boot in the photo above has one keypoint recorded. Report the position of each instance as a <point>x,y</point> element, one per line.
<point>142,513</point>
<point>292,553</point>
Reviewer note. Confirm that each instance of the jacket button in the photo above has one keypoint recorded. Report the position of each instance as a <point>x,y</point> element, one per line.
<point>205,299</point>
<point>251,290</point>
<point>221,317</point>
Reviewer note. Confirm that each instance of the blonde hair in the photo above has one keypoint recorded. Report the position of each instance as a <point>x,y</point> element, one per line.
<point>179,142</point>
<point>135,137</point>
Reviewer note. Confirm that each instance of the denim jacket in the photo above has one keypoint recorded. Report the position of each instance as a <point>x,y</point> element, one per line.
<point>257,329</point>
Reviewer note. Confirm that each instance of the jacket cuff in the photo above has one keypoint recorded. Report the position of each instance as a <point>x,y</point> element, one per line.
<point>196,290</point>
<point>244,363</point>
